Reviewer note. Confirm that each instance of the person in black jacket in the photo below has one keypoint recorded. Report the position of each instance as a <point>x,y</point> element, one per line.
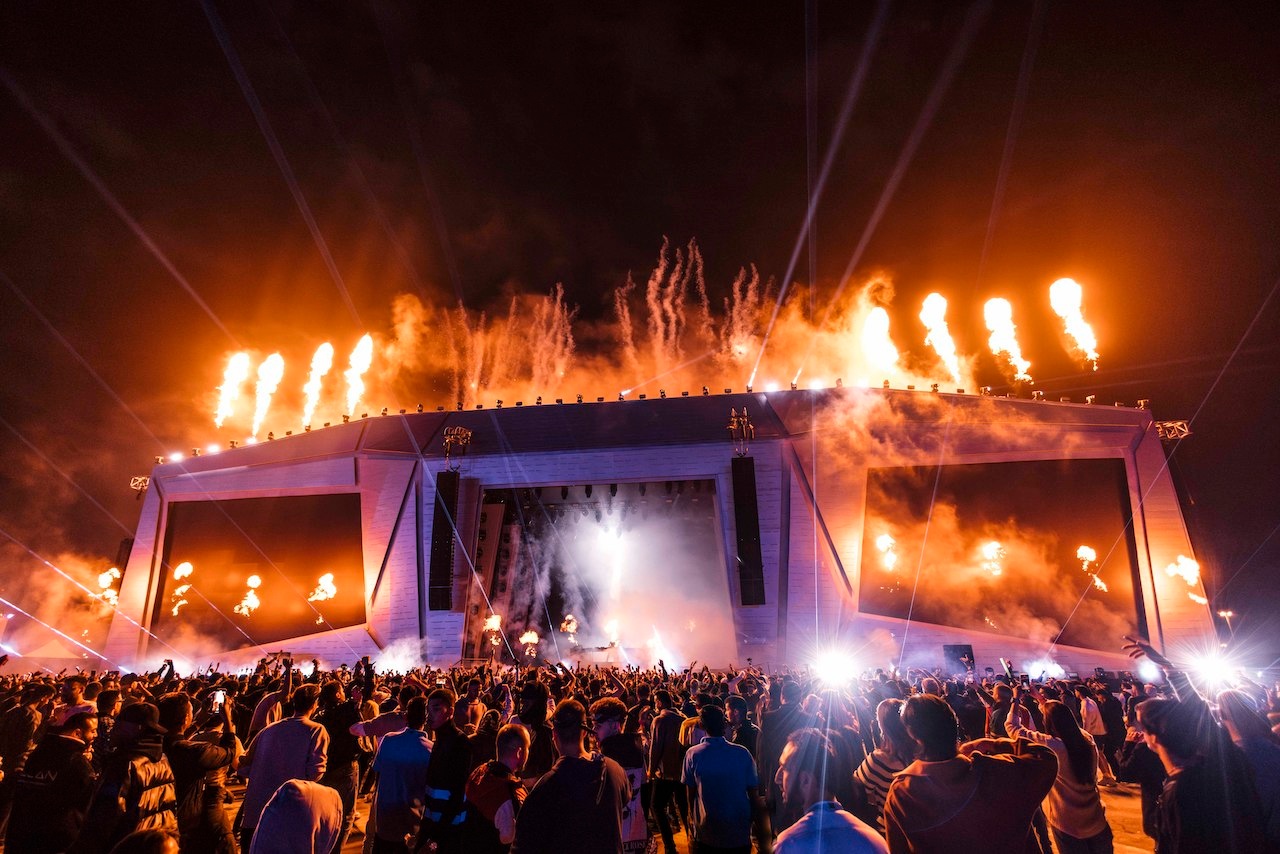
<point>203,827</point>
<point>445,809</point>
<point>52,791</point>
<point>336,713</point>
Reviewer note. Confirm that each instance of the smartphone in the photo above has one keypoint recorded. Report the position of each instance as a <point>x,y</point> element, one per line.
<point>439,683</point>
<point>219,697</point>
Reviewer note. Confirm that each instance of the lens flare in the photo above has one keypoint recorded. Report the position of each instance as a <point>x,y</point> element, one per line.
<point>270,372</point>
<point>934,317</point>
<point>236,373</point>
<point>834,667</point>
<point>877,346</point>
<point>321,362</point>
<point>1041,668</point>
<point>1004,341</point>
<point>361,358</point>
<point>1066,296</point>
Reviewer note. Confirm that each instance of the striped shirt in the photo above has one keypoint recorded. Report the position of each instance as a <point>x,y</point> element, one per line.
<point>875,774</point>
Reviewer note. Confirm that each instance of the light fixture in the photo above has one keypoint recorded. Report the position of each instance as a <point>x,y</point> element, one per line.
<point>1090,398</point>
<point>402,412</point>
<point>538,402</point>
<point>233,443</point>
<point>613,489</point>
<point>985,391</point>
<point>271,436</point>
<point>384,410</point>
<point>959,391</point>
<point>307,428</point>
<point>728,391</point>
<point>559,400</point>
<point>933,387</point>
<point>911,388</point>
<point>364,415</point>
<point>499,403</point>
<point>705,391</point>
<point>587,490</point>
<point>1143,403</point>
<point>459,404</point>
<point>885,384</point>
<point>195,452</point>
<point>662,394</point>
<point>419,407</point>
<point>748,389</point>
<point>684,393</point>
<point>159,461</point>
<point>599,400</point>
<point>288,432</point>
<point>793,386</point>
<point>643,396</point>
<point>345,419</point>
<point>327,423</point>
<point>621,396</point>
<point>1064,400</point>
<point>840,383</point>
<point>579,398</point>
<point>1037,395</point>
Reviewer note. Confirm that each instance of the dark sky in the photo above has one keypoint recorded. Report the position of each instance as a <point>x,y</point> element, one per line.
<point>456,152</point>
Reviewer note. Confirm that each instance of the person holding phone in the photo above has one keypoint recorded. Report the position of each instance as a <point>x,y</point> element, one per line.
<point>200,766</point>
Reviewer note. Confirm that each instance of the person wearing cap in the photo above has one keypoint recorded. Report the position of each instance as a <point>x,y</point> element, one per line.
<point>295,748</point>
<point>609,717</point>
<point>51,791</point>
<point>723,784</point>
<point>136,790</point>
<point>577,806</point>
<point>445,809</point>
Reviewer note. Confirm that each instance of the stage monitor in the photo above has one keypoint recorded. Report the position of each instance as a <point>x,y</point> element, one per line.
<point>254,571</point>
<point>1041,550</point>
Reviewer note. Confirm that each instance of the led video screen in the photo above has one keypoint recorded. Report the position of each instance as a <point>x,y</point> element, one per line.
<point>254,571</point>
<point>1041,550</point>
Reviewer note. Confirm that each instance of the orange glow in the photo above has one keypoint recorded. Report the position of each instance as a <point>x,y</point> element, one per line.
<point>270,372</point>
<point>493,623</point>
<point>236,373</point>
<point>934,317</point>
<point>1066,296</point>
<point>993,555</point>
<point>325,589</point>
<point>361,359</point>
<point>877,346</point>
<point>1004,341</point>
<point>321,362</point>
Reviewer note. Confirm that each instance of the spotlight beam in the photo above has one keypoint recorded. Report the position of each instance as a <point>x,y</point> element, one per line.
<point>65,637</point>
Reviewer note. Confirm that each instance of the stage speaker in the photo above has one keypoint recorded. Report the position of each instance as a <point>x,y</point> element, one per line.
<point>957,657</point>
<point>440,574</point>
<point>746,517</point>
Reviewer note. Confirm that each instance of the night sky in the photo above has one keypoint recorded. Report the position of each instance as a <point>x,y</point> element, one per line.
<point>461,153</point>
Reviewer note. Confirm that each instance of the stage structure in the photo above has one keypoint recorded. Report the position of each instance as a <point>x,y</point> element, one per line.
<point>877,525</point>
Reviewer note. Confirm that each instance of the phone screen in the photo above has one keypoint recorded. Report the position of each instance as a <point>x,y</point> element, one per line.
<point>219,697</point>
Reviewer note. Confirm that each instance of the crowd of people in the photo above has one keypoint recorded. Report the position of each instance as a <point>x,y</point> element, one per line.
<point>552,758</point>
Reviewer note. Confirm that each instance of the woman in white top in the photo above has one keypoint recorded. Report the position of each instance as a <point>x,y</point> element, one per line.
<point>1073,806</point>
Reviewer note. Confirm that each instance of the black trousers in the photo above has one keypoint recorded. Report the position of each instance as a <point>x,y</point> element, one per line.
<point>663,792</point>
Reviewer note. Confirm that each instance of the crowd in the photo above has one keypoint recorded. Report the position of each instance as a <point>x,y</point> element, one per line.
<point>550,758</point>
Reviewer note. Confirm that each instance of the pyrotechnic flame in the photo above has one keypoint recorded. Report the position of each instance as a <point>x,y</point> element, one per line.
<point>325,589</point>
<point>658,648</point>
<point>1044,667</point>
<point>999,316</point>
<point>109,594</point>
<point>493,623</point>
<point>321,362</point>
<point>876,344</point>
<point>361,358</point>
<point>990,622</point>
<point>236,373</point>
<point>1199,600</point>
<point>1066,295</point>
<point>182,570</point>
<point>569,625</point>
<point>1086,555</point>
<point>270,372</point>
<point>888,548</point>
<point>611,631</point>
<point>248,604</point>
<point>992,557</point>
<point>934,317</point>
<point>1187,568</point>
<point>179,597</point>
<point>529,637</point>
<point>253,582</point>
<point>1100,584</point>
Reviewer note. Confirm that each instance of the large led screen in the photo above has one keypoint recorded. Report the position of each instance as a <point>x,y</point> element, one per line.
<point>254,571</point>
<point>1040,550</point>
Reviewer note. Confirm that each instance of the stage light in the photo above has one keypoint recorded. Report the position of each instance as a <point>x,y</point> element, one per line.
<point>519,403</point>
<point>985,391</point>
<point>1143,403</point>
<point>959,391</point>
<point>459,404</point>
<point>643,396</point>
<point>384,410</point>
<point>770,387</point>
<point>402,412</point>
<point>233,443</point>
<point>538,402</point>
<point>252,440</point>
<point>642,489</point>
<point>559,400</point>
<point>793,386</point>
<point>885,385</point>
<point>346,419</point>
<point>934,388</point>
<point>499,403</point>
<point>662,394</point>
<point>176,457</point>
<point>271,437</point>
<point>1037,395</point>
<point>159,461</point>
<point>364,415</point>
<point>621,396</point>
<point>834,668</point>
<point>579,398</point>
<point>705,391</point>
<point>728,391</point>
<point>748,389</point>
<point>564,493</point>
<point>439,409</point>
<point>327,423</point>
<point>1090,398</point>
<point>195,452</point>
<point>840,384</point>
<point>288,432</point>
<point>684,393</point>
<point>599,400</point>
<point>419,407</point>
<point>911,388</point>
<point>479,406</point>
<point>306,429</point>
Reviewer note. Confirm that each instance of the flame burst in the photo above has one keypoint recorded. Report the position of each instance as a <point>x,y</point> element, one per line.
<point>611,630</point>
<point>361,358</point>
<point>270,372</point>
<point>1087,556</point>
<point>888,548</point>
<point>1066,296</point>
<point>1186,568</point>
<point>1004,341</point>
<point>530,641</point>
<point>183,570</point>
<point>237,372</point>
<point>993,554</point>
<point>321,362</point>
<point>250,602</point>
<point>1199,600</point>
<point>934,317</point>
<point>493,623</point>
<point>877,346</point>
<point>178,597</point>
<point>106,580</point>
<point>325,589</point>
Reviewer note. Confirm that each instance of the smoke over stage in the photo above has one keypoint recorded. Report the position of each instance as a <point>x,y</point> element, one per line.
<point>881,524</point>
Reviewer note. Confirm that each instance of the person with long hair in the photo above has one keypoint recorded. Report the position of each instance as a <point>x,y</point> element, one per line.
<point>892,754</point>
<point>1073,806</point>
